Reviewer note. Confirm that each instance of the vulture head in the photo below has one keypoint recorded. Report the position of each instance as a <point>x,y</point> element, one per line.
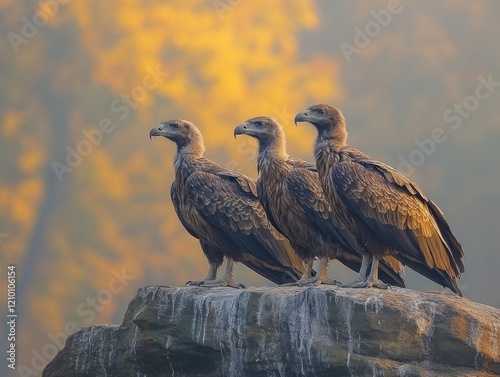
<point>328,120</point>
<point>265,129</point>
<point>181,132</point>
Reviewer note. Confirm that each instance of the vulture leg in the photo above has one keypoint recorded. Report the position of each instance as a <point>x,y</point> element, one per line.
<point>323,273</point>
<point>212,274</point>
<point>372,279</point>
<point>307,272</point>
<point>306,276</point>
<point>361,278</point>
<point>227,280</point>
<point>320,278</point>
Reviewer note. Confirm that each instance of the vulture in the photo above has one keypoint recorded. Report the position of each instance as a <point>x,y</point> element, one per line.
<point>389,214</point>
<point>220,208</point>
<point>290,191</point>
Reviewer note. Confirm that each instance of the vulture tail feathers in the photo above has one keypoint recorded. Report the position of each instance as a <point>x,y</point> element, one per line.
<point>437,276</point>
<point>390,276</point>
<point>276,276</point>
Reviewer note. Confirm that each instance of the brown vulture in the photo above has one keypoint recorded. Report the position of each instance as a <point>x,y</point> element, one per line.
<point>290,191</point>
<point>220,208</point>
<point>389,213</point>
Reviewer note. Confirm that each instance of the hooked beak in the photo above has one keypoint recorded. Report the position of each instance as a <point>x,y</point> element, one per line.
<point>154,132</point>
<point>240,129</point>
<point>301,117</point>
<point>159,130</point>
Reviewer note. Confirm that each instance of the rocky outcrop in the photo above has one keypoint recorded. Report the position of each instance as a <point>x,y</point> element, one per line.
<point>321,331</point>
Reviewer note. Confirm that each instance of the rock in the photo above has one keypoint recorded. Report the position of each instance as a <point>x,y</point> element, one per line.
<point>288,331</point>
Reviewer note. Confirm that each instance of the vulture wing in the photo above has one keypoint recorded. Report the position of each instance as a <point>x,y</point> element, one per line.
<point>228,201</point>
<point>177,203</point>
<point>398,212</point>
<point>305,187</point>
<point>264,201</point>
<point>306,190</point>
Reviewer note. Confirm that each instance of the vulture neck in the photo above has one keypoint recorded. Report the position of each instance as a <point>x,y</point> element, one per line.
<point>333,139</point>
<point>189,153</point>
<point>272,153</point>
<point>327,155</point>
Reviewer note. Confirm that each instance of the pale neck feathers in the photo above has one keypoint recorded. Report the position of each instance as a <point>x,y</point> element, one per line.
<point>190,151</point>
<point>272,152</point>
<point>335,139</point>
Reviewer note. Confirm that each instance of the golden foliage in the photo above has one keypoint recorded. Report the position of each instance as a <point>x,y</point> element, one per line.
<point>216,59</point>
<point>224,63</point>
<point>10,122</point>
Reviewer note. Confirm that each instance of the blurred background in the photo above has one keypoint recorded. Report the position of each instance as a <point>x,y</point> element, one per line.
<point>84,194</point>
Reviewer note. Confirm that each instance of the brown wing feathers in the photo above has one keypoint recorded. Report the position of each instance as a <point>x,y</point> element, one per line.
<point>227,201</point>
<point>309,196</point>
<point>382,203</point>
<point>225,204</point>
<point>392,204</point>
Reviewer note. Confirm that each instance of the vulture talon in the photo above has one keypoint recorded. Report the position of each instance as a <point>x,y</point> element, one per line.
<point>330,282</point>
<point>306,282</point>
<point>193,283</point>
<point>224,284</point>
<point>368,283</point>
<point>355,284</point>
<point>378,284</point>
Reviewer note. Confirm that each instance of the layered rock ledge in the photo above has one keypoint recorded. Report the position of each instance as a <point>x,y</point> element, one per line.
<point>320,331</point>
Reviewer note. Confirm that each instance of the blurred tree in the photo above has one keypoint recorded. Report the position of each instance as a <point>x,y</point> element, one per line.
<point>85,195</point>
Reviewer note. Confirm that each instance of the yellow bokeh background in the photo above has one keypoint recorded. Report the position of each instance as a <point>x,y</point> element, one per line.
<point>218,63</point>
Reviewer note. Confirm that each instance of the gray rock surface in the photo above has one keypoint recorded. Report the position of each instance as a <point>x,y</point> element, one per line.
<point>320,331</point>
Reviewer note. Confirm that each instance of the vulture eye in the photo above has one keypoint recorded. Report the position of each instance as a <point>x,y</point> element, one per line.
<point>259,124</point>
<point>322,112</point>
<point>174,126</point>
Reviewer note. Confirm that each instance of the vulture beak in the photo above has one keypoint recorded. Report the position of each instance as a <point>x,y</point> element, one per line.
<point>301,117</point>
<point>157,131</point>
<point>153,132</point>
<point>240,129</point>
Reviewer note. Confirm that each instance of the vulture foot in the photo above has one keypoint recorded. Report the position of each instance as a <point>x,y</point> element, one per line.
<point>302,282</point>
<point>329,282</point>
<point>294,284</point>
<point>312,282</point>
<point>378,284</point>
<point>224,284</point>
<point>305,282</point>
<point>221,283</point>
<point>368,283</point>
<point>358,283</point>
<point>355,284</point>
